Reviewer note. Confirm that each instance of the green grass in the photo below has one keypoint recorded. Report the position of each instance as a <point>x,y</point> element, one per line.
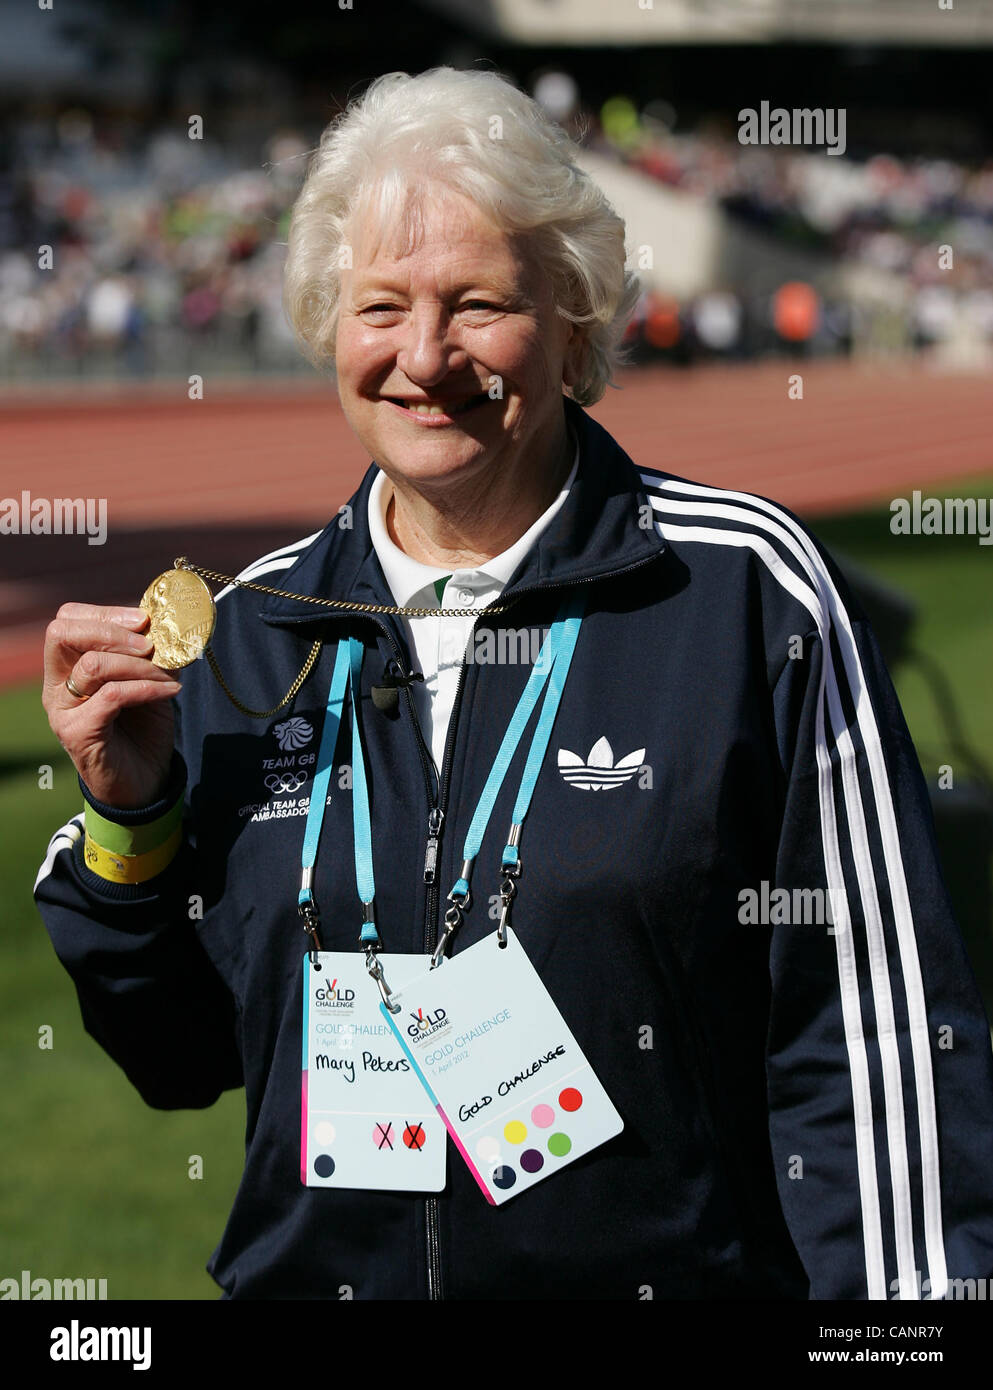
<point>950,579</point>
<point>94,1182</point>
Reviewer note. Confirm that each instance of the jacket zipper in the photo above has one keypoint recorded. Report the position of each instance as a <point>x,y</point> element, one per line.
<point>435,817</point>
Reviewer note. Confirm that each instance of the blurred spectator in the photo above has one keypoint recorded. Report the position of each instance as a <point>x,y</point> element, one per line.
<point>717,320</point>
<point>796,313</point>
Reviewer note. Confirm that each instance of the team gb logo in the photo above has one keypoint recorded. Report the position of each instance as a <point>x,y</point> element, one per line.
<point>293,733</point>
<point>599,772</point>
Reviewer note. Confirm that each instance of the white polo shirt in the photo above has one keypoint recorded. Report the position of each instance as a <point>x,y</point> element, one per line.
<point>437,645</point>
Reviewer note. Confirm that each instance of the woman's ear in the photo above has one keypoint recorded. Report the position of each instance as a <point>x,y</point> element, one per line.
<point>575,353</point>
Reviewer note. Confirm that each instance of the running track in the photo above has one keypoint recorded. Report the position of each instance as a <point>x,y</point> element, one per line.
<point>247,469</point>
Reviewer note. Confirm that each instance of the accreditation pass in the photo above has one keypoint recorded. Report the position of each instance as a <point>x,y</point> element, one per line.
<point>365,1120</point>
<point>501,1067</point>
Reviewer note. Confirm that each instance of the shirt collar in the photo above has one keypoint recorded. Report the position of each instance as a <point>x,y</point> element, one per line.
<point>409,580</point>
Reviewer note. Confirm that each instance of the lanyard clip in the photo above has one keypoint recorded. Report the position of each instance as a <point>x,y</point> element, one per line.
<point>311,921</point>
<point>375,969</point>
<point>508,892</point>
<point>510,863</point>
<point>453,920</point>
<point>307,909</point>
<point>461,899</point>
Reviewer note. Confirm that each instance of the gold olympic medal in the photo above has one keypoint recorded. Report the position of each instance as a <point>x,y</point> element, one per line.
<point>181,608</point>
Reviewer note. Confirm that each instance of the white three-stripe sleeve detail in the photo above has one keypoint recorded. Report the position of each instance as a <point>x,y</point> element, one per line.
<point>886,1032</point>
<point>262,566</point>
<point>844,940</point>
<point>282,550</point>
<point>889,838</point>
<point>257,572</point>
<point>63,838</point>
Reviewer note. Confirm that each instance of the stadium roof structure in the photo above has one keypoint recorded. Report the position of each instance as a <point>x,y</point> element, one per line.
<point>578,23</point>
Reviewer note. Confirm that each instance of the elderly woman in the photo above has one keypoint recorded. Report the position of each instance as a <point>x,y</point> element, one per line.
<point>765,1070</point>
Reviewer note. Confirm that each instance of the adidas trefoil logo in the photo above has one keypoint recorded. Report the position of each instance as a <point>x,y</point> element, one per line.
<point>599,772</point>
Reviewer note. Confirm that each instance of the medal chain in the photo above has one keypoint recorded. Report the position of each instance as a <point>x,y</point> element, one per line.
<point>315,652</point>
<point>343,605</point>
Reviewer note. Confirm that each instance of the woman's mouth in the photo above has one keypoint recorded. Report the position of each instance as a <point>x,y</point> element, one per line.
<point>436,412</point>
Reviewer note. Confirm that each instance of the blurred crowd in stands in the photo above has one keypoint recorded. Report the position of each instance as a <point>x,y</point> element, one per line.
<point>138,254</point>
<point>129,251</point>
<point>920,229</point>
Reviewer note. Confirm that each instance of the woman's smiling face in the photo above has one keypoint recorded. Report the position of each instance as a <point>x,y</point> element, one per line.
<point>450,355</point>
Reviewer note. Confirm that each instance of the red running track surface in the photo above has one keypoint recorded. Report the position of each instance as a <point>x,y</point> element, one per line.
<point>228,478</point>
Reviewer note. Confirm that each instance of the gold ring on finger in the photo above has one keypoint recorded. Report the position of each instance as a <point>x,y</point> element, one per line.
<point>73,689</point>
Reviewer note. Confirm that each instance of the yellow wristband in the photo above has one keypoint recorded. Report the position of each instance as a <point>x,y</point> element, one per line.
<point>130,868</point>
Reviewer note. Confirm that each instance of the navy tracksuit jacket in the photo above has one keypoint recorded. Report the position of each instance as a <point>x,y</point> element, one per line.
<point>807,1099</point>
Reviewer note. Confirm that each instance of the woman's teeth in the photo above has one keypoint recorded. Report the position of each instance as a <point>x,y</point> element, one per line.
<point>420,408</point>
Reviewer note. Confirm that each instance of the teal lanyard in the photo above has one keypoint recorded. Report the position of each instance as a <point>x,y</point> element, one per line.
<point>306,904</point>
<point>548,675</point>
<point>347,671</point>
<point>365,880</point>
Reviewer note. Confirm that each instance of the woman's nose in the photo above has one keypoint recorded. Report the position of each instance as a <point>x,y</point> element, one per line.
<point>428,353</point>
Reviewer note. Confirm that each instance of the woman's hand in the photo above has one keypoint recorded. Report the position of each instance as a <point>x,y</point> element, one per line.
<point>120,737</point>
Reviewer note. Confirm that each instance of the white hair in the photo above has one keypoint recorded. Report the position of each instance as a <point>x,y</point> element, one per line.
<point>483,138</point>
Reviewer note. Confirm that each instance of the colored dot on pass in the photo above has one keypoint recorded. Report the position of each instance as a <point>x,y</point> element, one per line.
<point>514,1132</point>
<point>570,1099</point>
<point>542,1116</point>
<point>559,1145</point>
<point>383,1136</point>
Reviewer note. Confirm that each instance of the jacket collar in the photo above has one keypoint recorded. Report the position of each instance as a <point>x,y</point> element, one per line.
<point>595,534</point>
